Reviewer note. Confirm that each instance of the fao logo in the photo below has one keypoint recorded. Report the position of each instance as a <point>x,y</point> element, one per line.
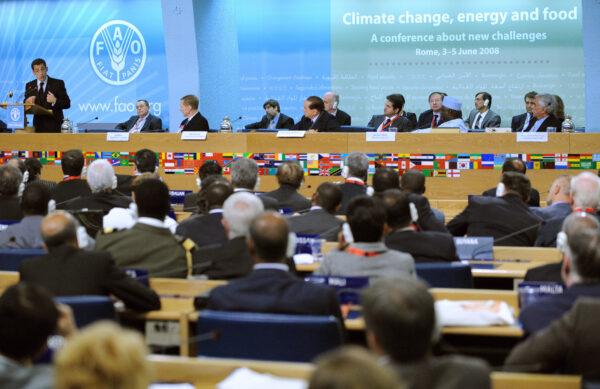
<point>118,52</point>
<point>15,114</point>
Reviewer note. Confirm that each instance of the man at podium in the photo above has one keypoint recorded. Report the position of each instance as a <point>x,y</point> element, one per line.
<point>48,93</point>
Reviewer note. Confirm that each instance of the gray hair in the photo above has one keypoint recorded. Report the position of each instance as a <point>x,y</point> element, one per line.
<point>244,173</point>
<point>585,190</point>
<point>239,210</point>
<point>335,96</point>
<point>358,165</point>
<point>10,179</point>
<point>547,101</point>
<point>101,176</point>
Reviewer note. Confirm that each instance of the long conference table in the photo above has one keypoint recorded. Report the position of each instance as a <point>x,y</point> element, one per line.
<point>460,164</point>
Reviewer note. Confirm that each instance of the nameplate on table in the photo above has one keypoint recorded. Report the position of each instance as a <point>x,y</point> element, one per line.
<point>380,136</point>
<point>532,137</point>
<point>117,136</point>
<point>291,134</point>
<point>194,135</point>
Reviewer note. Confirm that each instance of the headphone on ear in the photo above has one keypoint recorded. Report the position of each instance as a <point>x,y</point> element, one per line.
<point>291,245</point>
<point>500,189</point>
<point>198,182</point>
<point>486,102</point>
<point>334,105</point>
<point>257,185</point>
<point>347,233</point>
<point>414,214</point>
<point>345,171</point>
<point>22,184</point>
<point>51,206</point>
<point>114,183</point>
<point>562,242</point>
<point>84,171</point>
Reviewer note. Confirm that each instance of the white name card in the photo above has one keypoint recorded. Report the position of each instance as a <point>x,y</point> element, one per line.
<point>193,135</point>
<point>291,134</point>
<point>117,137</point>
<point>380,136</point>
<point>532,137</point>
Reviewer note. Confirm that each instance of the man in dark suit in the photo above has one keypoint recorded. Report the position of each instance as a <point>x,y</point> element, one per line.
<point>69,271</point>
<point>145,161</point>
<point>10,180</point>
<point>143,121</point>
<point>331,101</point>
<point>482,116</point>
<point>401,325</point>
<point>207,169</point>
<point>516,165</point>
<point>49,93</point>
<point>26,233</point>
<point>3,127</point>
<point>543,117</point>
<point>519,122</point>
<point>424,246</point>
<point>270,287</point>
<point>244,178</point>
<point>72,185</point>
<point>392,116</point>
<point>315,117</point>
<point>34,168</point>
<point>433,116</point>
<point>273,119</point>
<point>194,121</point>
<point>290,176</point>
<point>413,181</point>
<point>321,219</point>
<point>355,172</point>
<point>506,218</point>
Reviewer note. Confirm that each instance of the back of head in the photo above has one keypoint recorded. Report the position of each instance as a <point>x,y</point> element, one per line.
<point>34,200</point>
<point>315,102</point>
<point>514,165</point>
<point>585,191</point>
<point>244,173</point>
<point>10,179</point>
<point>397,101</point>
<point>146,161</point>
<point>217,193</point>
<point>384,179</point>
<point>143,177</point>
<point>401,316</point>
<point>584,250</point>
<point>358,165</point>
<point>290,173</point>
<point>238,212</point>
<point>517,183</point>
<point>269,237</point>
<point>191,100</point>
<point>18,163</point>
<point>72,162</point>
<point>329,197</point>
<point>366,217</point>
<point>28,316</point>
<point>59,228</point>
<point>101,176</point>
<point>152,199</point>
<point>104,356</point>
<point>210,168</point>
<point>413,181</point>
<point>397,208</point>
<point>34,167</point>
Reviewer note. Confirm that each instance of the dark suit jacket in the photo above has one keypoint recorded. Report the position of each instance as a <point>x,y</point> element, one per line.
<point>152,124</point>
<point>204,230</point>
<point>545,273</point>
<point>269,203</point>
<point>518,122</point>
<point>427,219</point>
<point>424,246</point>
<point>10,208</point>
<point>317,221</point>
<point>288,197</point>
<point>230,259</point>
<point>69,271</point>
<point>343,118</point>
<point>559,210</point>
<point>49,123</point>
<point>548,231</point>
<point>284,121</point>
<point>534,196</point>
<point>412,119</point>
<point>447,372</point>
<point>98,201</point>
<point>426,117</point>
<point>325,122</point>
<point>190,202</point>
<point>401,123</point>
<point>497,217</point>
<point>67,190</point>
<point>350,191</point>
<point>551,121</point>
<point>275,291</point>
<point>198,123</point>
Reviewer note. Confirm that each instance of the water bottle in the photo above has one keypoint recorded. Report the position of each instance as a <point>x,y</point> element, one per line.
<point>568,125</point>
<point>225,124</point>
<point>66,126</point>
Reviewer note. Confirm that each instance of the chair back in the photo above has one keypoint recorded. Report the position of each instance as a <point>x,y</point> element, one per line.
<point>10,259</point>
<point>89,308</point>
<point>445,275</point>
<point>265,336</point>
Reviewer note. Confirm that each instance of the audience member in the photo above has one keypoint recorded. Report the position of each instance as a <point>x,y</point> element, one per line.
<point>392,117</point>
<point>207,169</point>
<point>355,173</point>
<point>433,116</point>
<point>519,122</point>
<point>26,234</point>
<point>516,165</point>
<point>273,118</point>
<point>331,101</point>
<point>315,117</point>
<point>558,201</point>
<point>34,168</point>
<point>452,114</point>
<point>10,181</point>
<point>482,116</point>
<point>320,219</point>
<point>73,185</point>
<point>290,177</point>
<point>145,161</point>
<point>413,181</point>
<point>244,178</point>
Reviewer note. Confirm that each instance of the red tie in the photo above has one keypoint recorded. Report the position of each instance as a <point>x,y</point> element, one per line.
<point>434,121</point>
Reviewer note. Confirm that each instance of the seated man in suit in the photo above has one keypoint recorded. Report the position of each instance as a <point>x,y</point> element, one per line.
<point>26,234</point>
<point>208,168</point>
<point>401,325</point>
<point>290,177</point>
<point>558,201</point>
<point>364,253</point>
<point>3,127</point>
<point>273,119</point>
<point>355,173</point>
<point>10,182</point>
<point>143,121</point>
<point>207,229</point>
<point>244,178</point>
<point>321,219</point>
<point>194,121</point>
<point>145,161</point>
<point>270,287</point>
<point>506,218</point>
<point>34,168</point>
<point>424,246</point>
<point>520,122</point>
<point>315,118</point>
<point>452,114</point>
<point>482,116</point>
<point>69,271</point>
<point>392,118</point>
<point>72,185</point>
<point>516,165</point>
<point>149,244</point>
<point>332,100</point>
<point>543,117</point>
<point>433,116</point>
<point>413,181</point>
<point>580,273</point>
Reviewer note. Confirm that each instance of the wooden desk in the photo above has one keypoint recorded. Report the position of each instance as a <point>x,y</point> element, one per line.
<point>177,287</point>
<point>505,380</point>
<point>8,278</point>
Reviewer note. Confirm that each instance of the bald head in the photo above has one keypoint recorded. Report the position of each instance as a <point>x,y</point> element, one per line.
<point>268,237</point>
<point>59,228</point>
<point>585,191</point>
<point>559,190</point>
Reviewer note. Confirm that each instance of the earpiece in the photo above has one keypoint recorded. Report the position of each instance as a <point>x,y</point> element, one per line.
<point>347,232</point>
<point>500,189</point>
<point>486,102</point>
<point>51,206</point>
<point>84,171</point>
<point>257,184</point>
<point>114,182</point>
<point>198,182</point>
<point>291,245</point>
<point>334,105</point>
<point>25,177</point>
<point>22,184</point>
<point>562,242</point>
<point>414,214</point>
<point>82,237</point>
<point>345,171</point>
<point>133,210</point>
<point>370,191</point>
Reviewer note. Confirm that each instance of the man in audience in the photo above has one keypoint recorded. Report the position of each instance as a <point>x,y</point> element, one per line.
<point>543,117</point>
<point>69,271</point>
<point>273,119</point>
<point>392,116</point>
<point>26,234</point>
<point>433,116</point>
<point>143,121</point>
<point>315,117</point>
<point>194,121</point>
<point>208,229</point>
<point>516,165</point>
<point>331,101</point>
<point>424,246</point>
<point>10,180</point>
<point>507,218</point>
<point>270,287</point>
<point>321,219</point>
<point>34,168</point>
<point>73,185</point>
<point>355,173</point>
<point>145,161</point>
<point>558,202</point>
<point>519,122</point>
<point>244,178</point>
<point>207,169</point>
<point>290,177</point>
<point>401,325</point>
<point>580,273</point>
<point>365,254</point>
<point>149,244</point>
<point>413,181</point>
<point>482,116</point>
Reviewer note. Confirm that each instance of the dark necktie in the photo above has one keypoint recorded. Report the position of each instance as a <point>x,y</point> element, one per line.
<point>531,124</point>
<point>41,94</point>
<point>434,123</point>
<point>478,121</point>
<point>184,122</point>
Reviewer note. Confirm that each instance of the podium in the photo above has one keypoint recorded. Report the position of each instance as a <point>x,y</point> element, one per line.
<point>17,110</point>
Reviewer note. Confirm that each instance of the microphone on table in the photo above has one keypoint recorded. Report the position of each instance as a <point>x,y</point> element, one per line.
<point>87,121</point>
